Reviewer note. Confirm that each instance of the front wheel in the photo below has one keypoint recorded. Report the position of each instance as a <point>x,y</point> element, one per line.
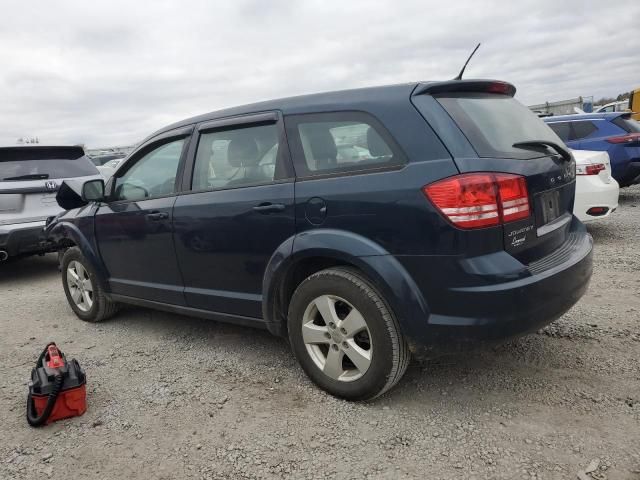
<point>83,290</point>
<point>345,337</point>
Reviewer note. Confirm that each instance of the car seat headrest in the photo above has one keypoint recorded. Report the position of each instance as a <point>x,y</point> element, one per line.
<point>243,152</point>
<point>323,147</point>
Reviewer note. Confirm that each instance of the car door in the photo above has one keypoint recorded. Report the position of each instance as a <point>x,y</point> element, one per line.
<point>239,210</point>
<point>134,227</point>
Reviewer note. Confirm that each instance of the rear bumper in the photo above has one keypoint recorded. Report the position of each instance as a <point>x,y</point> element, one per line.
<point>511,303</point>
<point>591,192</point>
<point>22,238</point>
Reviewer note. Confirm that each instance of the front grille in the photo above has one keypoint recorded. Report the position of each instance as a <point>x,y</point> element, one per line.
<point>558,256</point>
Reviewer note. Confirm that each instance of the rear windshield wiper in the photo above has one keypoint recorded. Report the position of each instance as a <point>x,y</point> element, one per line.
<point>31,176</point>
<point>564,153</point>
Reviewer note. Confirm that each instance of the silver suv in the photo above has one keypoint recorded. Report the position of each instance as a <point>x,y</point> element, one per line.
<point>30,176</point>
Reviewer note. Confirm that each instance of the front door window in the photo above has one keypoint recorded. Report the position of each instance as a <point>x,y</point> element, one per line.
<point>153,175</point>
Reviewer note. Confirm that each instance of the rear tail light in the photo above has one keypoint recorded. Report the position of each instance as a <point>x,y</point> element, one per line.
<point>594,169</point>
<point>477,200</point>
<point>513,196</point>
<point>629,138</point>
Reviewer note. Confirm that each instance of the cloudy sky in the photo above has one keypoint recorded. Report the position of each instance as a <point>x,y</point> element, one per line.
<point>110,72</point>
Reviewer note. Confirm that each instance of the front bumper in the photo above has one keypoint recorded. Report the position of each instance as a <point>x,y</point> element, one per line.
<point>506,304</point>
<point>23,238</point>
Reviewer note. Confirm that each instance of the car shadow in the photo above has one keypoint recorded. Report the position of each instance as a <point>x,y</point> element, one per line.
<point>486,372</point>
<point>188,332</point>
<point>629,196</point>
<point>28,269</point>
<point>603,231</point>
<point>528,367</point>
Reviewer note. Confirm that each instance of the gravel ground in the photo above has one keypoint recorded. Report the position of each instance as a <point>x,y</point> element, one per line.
<point>177,397</point>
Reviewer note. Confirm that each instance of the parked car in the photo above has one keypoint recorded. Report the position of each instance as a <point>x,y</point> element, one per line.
<point>453,231</point>
<point>615,133</point>
<point>621,106</point>
<point>596,190</point>
<point>30,176</point>
<point>102,159</point>
<point>108,168</point>
<point>634,103</point>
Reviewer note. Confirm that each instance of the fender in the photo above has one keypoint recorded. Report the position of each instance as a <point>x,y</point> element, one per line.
<point>60,230</point>
<point>381,268</point>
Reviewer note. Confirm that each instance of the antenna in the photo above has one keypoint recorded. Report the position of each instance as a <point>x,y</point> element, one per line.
<point>459,77</point>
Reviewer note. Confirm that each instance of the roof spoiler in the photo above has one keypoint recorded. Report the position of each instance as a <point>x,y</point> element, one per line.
<point>478,86</point>
<point>16,153</point>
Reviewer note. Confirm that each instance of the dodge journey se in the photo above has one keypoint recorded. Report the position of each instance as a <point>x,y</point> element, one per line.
<point>366,225</point>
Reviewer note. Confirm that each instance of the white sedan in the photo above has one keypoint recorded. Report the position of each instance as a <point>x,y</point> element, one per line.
<point>596,190</point>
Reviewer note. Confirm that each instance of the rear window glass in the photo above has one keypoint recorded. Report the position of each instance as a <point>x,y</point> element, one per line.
<point>341,142</point>
<point>35,163</point>
<point>493,123</point>
<point>627,124</point>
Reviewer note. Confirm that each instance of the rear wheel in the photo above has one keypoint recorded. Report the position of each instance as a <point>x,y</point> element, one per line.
<point>344,335</point>
<point>83,290</point>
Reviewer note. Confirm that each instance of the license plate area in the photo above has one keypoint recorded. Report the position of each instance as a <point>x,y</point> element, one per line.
<point>48,199</point>
<point>547,207</point>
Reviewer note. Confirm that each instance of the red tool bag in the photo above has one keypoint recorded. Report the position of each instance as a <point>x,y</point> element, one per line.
<point>57,388</point>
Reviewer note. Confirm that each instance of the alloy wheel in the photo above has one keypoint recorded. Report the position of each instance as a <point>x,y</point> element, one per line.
<point>80,286</point>
<point>337,338</point>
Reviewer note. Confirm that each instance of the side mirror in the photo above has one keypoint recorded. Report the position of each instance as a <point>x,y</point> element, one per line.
<point>93,190</point>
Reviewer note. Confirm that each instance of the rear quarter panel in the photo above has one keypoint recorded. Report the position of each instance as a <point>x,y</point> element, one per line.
<point>619,155</point>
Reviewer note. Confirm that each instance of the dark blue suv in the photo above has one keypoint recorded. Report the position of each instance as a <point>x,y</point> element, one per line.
<point>365,225</point>
<point>615,133</point>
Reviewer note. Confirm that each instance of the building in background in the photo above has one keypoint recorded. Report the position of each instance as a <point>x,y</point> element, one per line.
<point>564,107</point>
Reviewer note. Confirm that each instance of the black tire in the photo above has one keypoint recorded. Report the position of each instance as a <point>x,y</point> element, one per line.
<point>60,257</point>
<point>389,350</point>
<point>102,307</point>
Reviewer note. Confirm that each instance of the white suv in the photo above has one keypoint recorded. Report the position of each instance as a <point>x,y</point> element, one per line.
<point>30,176</point>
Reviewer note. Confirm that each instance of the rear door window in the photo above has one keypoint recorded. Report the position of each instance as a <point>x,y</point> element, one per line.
<point>40,163</point>
<point>582,129</point>
<point>340,142</point>
<point>238,157</point>
<point>562,129</point>
<point>493,123</point>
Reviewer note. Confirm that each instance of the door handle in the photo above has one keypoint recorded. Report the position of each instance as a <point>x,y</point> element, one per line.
<point>157,216</point>
<point>266,208</point>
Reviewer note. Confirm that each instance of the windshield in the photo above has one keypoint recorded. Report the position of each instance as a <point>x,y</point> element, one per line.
<point>39,163</point>
<point>493,123</point>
